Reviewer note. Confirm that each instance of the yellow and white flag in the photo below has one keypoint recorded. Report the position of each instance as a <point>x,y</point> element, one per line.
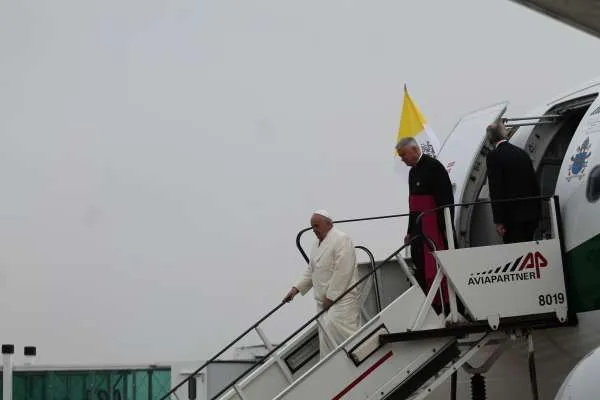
<point>413,124</point>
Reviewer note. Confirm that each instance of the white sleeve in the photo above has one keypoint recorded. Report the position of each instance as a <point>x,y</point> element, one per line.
<point>344,263</point>
<point>305,283</point>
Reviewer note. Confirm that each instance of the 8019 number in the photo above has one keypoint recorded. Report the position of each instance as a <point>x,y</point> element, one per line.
<point>549,299</point>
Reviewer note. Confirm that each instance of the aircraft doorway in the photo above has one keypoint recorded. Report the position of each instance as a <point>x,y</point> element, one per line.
<point>548,145</point>
<point>549,165</point>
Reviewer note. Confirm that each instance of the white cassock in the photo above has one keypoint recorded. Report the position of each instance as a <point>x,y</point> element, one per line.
<point>331,271</point>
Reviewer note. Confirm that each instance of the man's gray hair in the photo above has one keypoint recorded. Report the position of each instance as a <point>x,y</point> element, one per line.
<point>407,141</point>
<point>497,131</point>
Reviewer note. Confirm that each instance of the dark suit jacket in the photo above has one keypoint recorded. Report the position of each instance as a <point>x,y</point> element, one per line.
<point>430,177</point>
<point>511,175</point>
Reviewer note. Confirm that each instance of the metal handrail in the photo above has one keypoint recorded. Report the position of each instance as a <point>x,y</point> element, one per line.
<point>343,221</point>
<point>471,203</point>
<point>477,202</point>
<point>375,279</point>
<point>220,353</point>
<point>282,343</point>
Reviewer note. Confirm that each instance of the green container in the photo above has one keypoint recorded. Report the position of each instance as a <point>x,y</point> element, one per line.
<point>81,384</point>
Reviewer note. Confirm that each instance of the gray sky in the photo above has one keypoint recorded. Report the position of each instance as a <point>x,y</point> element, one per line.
<point>158,157</point>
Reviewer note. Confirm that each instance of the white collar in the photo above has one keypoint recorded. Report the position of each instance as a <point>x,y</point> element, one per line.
<point>500,142</point>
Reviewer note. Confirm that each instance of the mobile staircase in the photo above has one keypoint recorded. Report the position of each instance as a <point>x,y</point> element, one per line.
<point>407,350</point>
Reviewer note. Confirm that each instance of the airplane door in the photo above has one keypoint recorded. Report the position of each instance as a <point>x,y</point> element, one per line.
<point>579,210</point>
<point>463,155</point>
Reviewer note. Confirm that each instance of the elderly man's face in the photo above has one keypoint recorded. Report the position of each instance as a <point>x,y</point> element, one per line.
<point>409,154</point>
<point>320,226</point>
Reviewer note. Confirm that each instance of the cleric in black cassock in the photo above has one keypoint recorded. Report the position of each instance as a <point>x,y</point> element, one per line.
<point>429,188</point>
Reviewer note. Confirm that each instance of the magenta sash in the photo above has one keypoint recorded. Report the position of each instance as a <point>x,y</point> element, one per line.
<point>429,228</point>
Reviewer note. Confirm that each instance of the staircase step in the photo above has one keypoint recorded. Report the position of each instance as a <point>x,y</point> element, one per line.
<point>419,377</point>
<point>456,331</point>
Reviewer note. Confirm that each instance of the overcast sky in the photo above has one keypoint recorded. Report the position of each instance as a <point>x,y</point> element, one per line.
<point>158,157</point>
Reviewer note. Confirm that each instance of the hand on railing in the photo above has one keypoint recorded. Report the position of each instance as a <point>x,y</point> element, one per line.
<point>290,295</point>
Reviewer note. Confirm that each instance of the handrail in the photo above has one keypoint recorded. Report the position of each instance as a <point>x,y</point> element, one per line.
<point>282,343</point>
<point>220,353</point>
<point>440,208</point>
<point>514,199</point>
<point>343,221</point>
<point>375,280</point>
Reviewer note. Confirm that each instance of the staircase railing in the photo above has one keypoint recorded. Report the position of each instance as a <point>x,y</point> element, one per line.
<point>343,221</point>
<point>375,278</point>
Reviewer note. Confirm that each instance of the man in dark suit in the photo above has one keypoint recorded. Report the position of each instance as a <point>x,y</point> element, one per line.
<point>429,188</point>
<point>510,176</point>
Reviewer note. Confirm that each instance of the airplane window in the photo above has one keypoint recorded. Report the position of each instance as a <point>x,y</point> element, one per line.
<point>593,186</point>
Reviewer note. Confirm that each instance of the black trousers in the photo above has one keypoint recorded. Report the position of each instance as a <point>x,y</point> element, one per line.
<point>519,231</point>
<point>418,258</point>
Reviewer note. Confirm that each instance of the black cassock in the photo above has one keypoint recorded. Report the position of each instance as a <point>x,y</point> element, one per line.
<point>429,188</point>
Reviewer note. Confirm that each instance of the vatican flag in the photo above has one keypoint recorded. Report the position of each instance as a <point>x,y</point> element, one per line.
<point>413,124</point>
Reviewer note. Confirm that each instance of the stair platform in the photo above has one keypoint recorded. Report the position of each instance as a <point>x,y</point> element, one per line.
<point>540,321</point>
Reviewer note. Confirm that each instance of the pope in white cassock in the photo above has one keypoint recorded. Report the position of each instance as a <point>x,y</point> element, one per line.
<point>331,271</point>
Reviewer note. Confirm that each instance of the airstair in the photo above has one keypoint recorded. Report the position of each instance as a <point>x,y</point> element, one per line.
<point>407,350</point>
